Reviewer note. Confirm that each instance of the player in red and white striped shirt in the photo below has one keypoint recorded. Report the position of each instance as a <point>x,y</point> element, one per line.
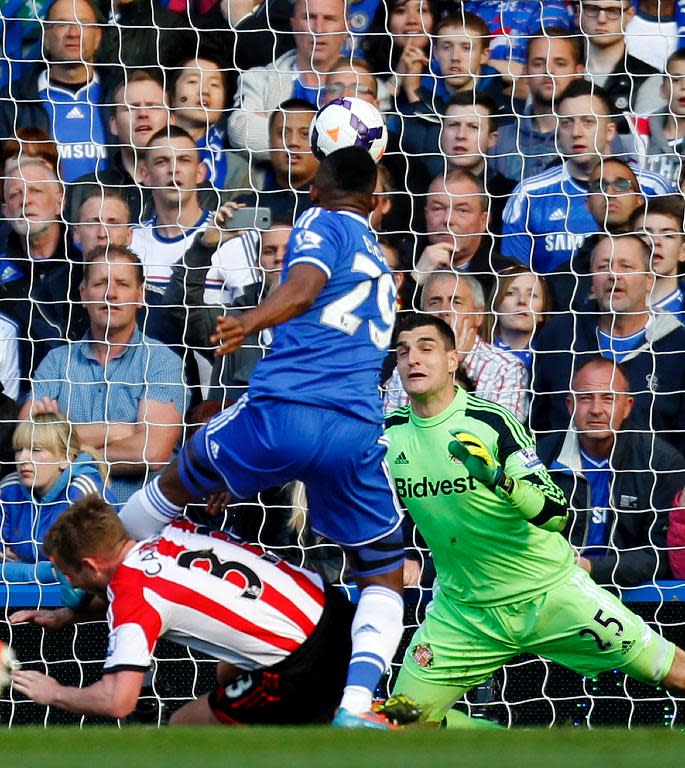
<point>281,633</point>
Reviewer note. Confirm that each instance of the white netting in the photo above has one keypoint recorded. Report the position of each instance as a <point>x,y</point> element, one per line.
<point>489,170</point>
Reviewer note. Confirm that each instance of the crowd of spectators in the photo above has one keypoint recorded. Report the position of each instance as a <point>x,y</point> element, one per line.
<point>531,195</point>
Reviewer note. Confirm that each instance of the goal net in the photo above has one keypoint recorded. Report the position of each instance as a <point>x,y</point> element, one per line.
<point>529,194</point>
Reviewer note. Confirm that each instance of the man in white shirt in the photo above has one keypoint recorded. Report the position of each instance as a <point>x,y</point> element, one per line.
<point>173,172</point>
<point>319,27</point>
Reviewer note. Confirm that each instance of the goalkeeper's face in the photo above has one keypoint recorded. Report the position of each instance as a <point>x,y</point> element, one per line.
<point>425,365</point>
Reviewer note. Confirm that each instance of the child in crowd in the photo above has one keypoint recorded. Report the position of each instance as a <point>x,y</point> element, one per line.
<point>53,471</point>
<point>661,227</point>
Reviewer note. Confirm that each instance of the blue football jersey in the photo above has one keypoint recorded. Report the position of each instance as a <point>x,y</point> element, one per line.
<point>514,22</point>
<point>214,155</point>
<point>331,355</point>
<point>547,218</point>
<point>77,124</point>
<point>674,303</point>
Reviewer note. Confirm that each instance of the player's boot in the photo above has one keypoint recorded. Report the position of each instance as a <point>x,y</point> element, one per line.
<point>346,719</point>
<point>399,709</point>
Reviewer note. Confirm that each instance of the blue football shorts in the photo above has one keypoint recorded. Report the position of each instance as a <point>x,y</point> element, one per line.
<point>254,445</point>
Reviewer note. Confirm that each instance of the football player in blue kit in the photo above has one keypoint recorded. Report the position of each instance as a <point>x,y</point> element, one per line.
<point>313,413</point>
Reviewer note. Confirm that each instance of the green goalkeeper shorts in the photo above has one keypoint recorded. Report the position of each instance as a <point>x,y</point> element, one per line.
<point>577,624</point>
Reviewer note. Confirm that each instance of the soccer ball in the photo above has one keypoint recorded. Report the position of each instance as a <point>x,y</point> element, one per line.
<point>348,122</point>
<point>8,662</point>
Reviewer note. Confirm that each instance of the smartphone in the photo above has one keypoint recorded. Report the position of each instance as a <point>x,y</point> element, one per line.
<point>249,218</point>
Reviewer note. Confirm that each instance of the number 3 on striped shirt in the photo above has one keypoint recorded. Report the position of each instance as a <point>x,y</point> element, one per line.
<point>223,569</point>
<point>339,314</point>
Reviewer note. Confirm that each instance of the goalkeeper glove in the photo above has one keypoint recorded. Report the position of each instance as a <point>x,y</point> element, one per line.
<point>71,597</point>
<point>480,463</point>
<point>548,511</point>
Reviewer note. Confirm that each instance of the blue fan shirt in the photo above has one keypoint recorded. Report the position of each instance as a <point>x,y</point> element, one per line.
<point>512,24</point>
<point>547,218</point>
<point>598,474</point>
<point>77,126</point>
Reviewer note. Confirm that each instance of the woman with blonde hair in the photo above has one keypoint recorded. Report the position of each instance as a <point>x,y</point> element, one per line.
<point>53,470</point>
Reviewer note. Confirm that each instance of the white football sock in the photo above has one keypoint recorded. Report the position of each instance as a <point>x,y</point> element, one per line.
<point>148,511</point>
<point>376,632</point>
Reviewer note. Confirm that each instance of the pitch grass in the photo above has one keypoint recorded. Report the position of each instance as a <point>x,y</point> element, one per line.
<point>136,747</point>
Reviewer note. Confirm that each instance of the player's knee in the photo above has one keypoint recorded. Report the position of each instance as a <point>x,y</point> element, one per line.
<point>172,487</point>
<point>195,712</point>
<point>226,672</point>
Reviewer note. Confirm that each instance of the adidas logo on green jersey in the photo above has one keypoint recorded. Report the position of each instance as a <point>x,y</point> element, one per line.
<point>401,458</point>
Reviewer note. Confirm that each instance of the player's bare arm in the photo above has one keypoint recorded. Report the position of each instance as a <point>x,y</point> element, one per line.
<point>294,297</point>
<point>115,695</point>
<point>58,618</point>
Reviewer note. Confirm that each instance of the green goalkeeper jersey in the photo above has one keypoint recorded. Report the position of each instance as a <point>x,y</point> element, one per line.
<point>485,552</point>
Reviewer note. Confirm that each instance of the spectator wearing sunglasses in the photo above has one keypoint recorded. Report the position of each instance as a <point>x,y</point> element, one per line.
<point>547,217</point>
<point>615,198</point>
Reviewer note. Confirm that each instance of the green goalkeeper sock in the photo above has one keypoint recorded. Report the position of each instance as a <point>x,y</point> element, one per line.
<point>456,719</point>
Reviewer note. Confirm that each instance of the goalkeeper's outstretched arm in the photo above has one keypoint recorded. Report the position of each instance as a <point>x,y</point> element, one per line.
<point>540,501</point>
<point>523,481</point>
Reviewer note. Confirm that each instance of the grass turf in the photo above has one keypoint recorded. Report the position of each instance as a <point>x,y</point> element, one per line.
<point>328,748</point>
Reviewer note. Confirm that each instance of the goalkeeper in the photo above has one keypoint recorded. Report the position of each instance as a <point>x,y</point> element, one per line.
<point>507,580</point>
